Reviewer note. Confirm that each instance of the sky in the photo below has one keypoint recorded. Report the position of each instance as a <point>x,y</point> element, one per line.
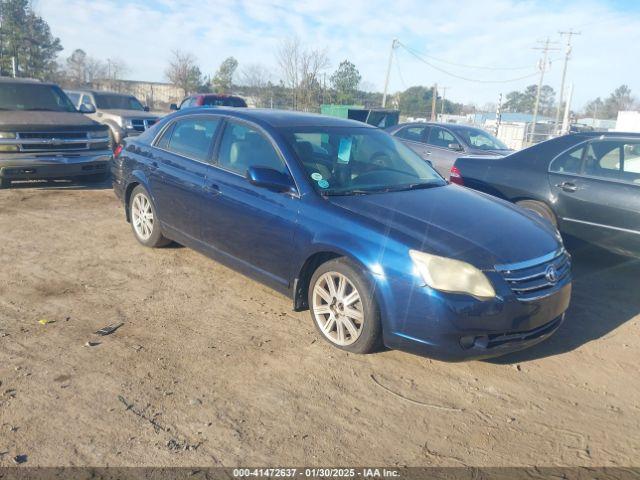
<point>498,35</point>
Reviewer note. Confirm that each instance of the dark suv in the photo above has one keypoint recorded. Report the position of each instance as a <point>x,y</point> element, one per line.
<point>43,136</point>
<point>210,100</point>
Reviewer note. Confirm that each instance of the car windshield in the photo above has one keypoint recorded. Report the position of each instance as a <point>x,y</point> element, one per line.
<point>224,102</point>
<point>117,102</point>
<point>480,139</point>
<point>34,97</point>
<point>354,160</point>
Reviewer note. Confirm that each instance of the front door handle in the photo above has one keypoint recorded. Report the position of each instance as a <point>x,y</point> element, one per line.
<point>567,186</point>
<point>428,152</point>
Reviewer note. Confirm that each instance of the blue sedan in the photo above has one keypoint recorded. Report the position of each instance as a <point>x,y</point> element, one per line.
<point>353,226</point>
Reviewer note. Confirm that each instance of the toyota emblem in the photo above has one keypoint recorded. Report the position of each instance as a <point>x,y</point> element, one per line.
<point>551,274</point>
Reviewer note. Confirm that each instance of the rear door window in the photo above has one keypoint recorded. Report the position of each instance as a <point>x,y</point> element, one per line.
<point>413,134</point>
<point>191,137</point>
<point>613,159</point>
<point>441,137</point>
<point>568,162</point>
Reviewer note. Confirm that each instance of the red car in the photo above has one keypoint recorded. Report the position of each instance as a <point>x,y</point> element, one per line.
<point>210,100</point>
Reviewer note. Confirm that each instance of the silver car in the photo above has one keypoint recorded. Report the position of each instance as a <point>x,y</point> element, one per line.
<point>442,143</point>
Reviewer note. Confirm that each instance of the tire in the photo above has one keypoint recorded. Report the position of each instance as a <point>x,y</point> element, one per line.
<point>146,228</point>
<point>354,327</point>
<point>4,183</point>
<point>539,208</point>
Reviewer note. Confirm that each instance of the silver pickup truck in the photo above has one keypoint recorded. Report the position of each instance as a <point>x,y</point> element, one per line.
<point>123,114</point>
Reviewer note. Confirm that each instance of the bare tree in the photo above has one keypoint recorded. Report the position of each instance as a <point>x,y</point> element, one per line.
<point>300,69</point>
<point>184,72</point>
<point>255,75</point>
<point>116,68</point>
<point>94,69</point>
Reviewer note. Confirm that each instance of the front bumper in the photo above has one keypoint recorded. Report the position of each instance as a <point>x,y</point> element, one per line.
<point>454,327</point>
<point>54,166</point>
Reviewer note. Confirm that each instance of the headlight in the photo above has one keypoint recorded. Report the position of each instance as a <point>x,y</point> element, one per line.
<point>453,276</point>
<point>7,135</point>
<point>9,148</point>
<point>98,134</point>
<point>127,123</point>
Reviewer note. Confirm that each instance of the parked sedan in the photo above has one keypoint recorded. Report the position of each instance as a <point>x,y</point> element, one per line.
<point>350,224</point>
<point>210,100</point>
<point>588,184</point>
<point>443,143</point>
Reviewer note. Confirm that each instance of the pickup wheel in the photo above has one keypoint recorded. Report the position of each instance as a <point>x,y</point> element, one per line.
<point>539,208</point>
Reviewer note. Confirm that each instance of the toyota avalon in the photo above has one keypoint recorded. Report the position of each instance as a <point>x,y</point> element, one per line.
<point>351,225</point>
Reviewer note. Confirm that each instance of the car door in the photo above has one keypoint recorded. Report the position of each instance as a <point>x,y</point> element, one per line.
<point>438,152</point>
<point>251,224</point>
<point>178,168</point>
<point>597,190</point>
<point>415,137</point>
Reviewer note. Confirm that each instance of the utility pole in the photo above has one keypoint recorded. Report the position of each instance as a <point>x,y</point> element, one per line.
<point>567,56</point>
<point>394,45</point>
<point>14,67</point>
<point>434,96</point>
<point>498,115</point>
<point>444,94</point>
<point>567,111</point>
<point>543,66</point>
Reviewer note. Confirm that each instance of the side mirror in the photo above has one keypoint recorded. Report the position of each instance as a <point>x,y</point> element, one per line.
<point>456,146</point>
<point>146,108</point>
<point>270,179</point>
<point>173,107</point>
<point>87,108</point>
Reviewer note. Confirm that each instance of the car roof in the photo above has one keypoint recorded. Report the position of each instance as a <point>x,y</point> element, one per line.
<point>215,95</point>
<point>276,118</point>
<point>99,92</point>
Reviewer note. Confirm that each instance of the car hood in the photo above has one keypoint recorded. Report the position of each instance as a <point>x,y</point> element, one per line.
<point>127,113</point>
<point>35,120</point>
<point>456,222</point>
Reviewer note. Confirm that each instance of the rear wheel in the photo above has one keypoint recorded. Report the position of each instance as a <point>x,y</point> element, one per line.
<point>539,208</point>
<point>343,307</point>
<point>144,221</point>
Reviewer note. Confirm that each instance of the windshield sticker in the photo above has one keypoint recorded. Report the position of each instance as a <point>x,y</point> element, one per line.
<point>323,184</point>
<point>316,176</point>
<point>344,152</point>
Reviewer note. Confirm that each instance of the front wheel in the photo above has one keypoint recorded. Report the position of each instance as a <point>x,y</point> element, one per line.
<point>144,221</point>
<point>343,307</point>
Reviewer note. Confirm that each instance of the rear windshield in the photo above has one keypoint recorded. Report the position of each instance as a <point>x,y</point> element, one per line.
<point>34,97</point>
<point>224,102</point>
<point>117,102</point>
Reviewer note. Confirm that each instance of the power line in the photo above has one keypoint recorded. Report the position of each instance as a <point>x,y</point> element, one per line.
<point>463,65</point>
<point>461,77</point>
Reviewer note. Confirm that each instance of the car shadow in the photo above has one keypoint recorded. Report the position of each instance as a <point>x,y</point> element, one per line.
<point>71,184</point>
<point>605,296</point>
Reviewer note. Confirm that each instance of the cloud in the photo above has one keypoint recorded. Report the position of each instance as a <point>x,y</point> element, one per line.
<point>499,33</point>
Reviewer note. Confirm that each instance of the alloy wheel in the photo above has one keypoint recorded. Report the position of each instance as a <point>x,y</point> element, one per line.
<point>337,308</point>
<point>142,216</point>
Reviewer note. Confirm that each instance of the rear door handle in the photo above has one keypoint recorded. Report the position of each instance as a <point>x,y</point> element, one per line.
<point>428,152</point>
<point>213,189</point>
<point>567,186</point>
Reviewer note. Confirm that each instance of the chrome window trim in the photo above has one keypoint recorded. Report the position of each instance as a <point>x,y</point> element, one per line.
<point>619,229</point>
<point>507,267</point>
<point>214,160</point>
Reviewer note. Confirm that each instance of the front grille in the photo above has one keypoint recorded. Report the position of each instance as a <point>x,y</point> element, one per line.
<point>141,124</point>
<point>56,141</point>
<point>537,278</point>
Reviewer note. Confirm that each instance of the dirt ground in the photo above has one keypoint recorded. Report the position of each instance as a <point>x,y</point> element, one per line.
<point>211,368</point>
